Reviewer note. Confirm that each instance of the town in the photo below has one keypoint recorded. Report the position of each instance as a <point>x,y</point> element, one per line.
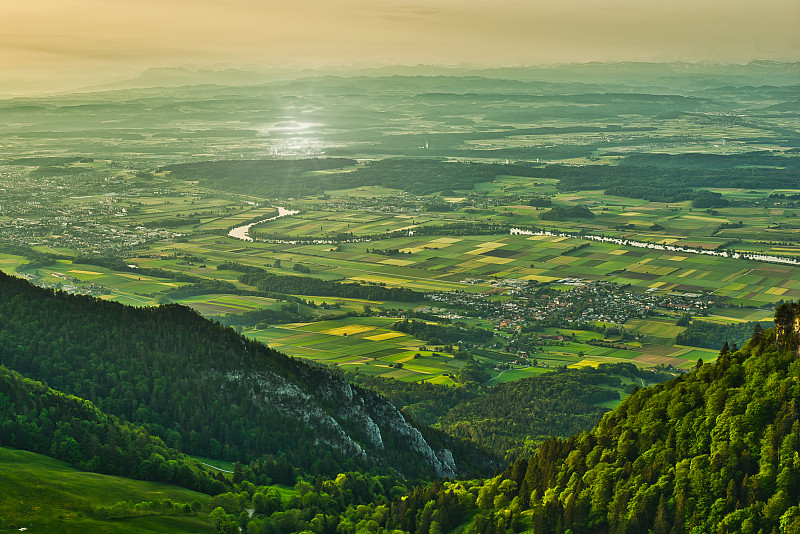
<point>568,303</point>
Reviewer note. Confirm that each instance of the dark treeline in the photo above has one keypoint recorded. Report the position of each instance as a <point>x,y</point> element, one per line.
<point>239,267</point>
<point>439,205</point>
<point>423,177</point>
<point>653,194</point>
<point>269,178</point>
<point>285,313</point>
<point>202,287</point>
<point>709,199</point>
<point>282,178</point>
<point>439,334</point>
<point>160,507</point>
<point>714,450</point>
<point>36,418</point>
<point>199,386</point>
<point>575,178</point>
<point>697,160</point>
<point>263,317</point>
<point>539,201</point>
<point>700,198</point>
<point>115,264</point>
<point>715,335</point>
<point>562,213</point>
<point>303,285</point>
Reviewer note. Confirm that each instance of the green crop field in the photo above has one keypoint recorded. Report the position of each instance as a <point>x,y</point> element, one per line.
<point>218,304</point>
<point>367,344</point>
<point>424,199</point>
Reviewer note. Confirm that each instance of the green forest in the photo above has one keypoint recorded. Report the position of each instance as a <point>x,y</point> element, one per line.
<point>206,390</point>
<point>36,418</point>
<point>714,450</point>
<point>654,177</point>
<point>394,300</point>
<point>714,335</point>
<point>301,285</point>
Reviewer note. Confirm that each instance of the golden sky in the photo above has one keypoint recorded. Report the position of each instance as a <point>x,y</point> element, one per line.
<point>90,40</point>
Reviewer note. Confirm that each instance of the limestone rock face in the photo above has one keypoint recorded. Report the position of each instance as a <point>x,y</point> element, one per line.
<point>356,421</point>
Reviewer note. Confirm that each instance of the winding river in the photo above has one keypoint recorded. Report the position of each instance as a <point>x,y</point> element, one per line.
<point>657,246</point>
<point>243,232</point>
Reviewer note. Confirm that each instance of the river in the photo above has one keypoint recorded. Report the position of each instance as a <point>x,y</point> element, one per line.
<point>243,232</point>
<point>657,246</point>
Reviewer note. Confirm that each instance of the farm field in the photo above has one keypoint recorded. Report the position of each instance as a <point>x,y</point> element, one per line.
<point>441,264</point>
<point>364,344</point>
<point>432,264</point>
<point>417,190</point>
<point>219,304</point>
<point>369,345</point>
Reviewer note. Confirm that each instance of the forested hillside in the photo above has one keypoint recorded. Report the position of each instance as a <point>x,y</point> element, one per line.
<point>206,390</point>
<point>36,418</point>
<point>715,335</point>
<point>715,450</point>
<point>513,418</point>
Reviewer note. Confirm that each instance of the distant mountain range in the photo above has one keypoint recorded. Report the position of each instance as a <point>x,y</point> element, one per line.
<point>637,74</point>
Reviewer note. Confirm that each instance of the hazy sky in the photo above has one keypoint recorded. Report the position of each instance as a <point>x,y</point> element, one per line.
<point>51,42</point>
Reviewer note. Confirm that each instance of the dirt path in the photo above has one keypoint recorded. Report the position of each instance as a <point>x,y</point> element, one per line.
<point>217,468</point>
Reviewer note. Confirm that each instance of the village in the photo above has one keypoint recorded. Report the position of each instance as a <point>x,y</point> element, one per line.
<point>516,305</point>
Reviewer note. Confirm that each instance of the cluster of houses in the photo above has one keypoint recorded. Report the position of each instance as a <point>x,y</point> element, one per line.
<point>70,284</point>
<point>584,302</point>
<point>82,235</point>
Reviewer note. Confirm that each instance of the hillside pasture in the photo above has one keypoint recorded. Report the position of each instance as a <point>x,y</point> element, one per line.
<point>41,494</point>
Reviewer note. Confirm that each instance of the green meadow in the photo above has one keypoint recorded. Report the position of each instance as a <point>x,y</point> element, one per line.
<point>41,494</point>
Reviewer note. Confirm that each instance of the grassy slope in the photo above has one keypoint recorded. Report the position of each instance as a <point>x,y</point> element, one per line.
<point>46,495</point>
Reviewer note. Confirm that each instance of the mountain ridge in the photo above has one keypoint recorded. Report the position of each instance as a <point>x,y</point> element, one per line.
<point>207,390</point>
